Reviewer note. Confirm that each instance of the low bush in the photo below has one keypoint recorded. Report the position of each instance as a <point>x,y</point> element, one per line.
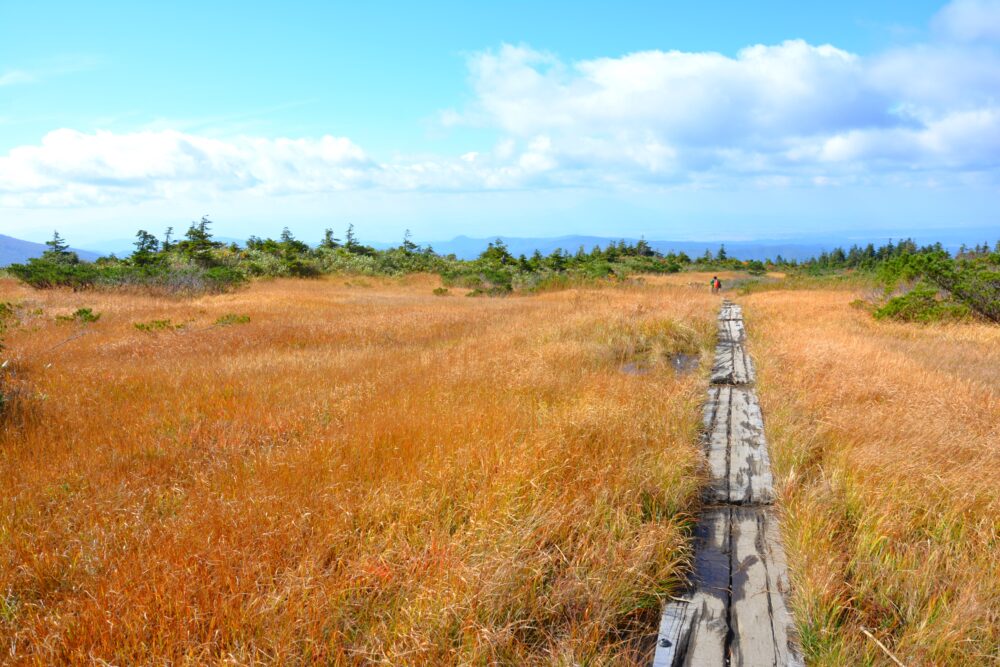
<point>945,287</point>
<point>923,303</point>
<point>229,319</point>
<point>157,325</point>
<point>81,315</point>
<point>44,273</point>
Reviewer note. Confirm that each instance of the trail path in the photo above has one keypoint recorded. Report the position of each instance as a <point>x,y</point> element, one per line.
<point>735,611</point>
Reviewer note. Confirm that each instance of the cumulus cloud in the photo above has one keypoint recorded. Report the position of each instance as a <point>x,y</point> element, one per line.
<point>771,115</point>
<point>685,98</point>
<point>970,20</point>
<point>790,110</point>
<point>72,168</point>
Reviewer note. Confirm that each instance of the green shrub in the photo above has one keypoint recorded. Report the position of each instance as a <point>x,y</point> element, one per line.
<point>157,325</point>
<point>43,273</point>
<point>441,291</point>
<point>922,304</point>
<point>6,315</point>
<point>227,320</point>
<point>972,281</point>
<point>81,315</point>
<point>493,290</point>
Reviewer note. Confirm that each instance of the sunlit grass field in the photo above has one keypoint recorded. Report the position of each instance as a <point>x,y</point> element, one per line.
<point>358,471</point>
<point>347,471</point>
<point>887,439</point>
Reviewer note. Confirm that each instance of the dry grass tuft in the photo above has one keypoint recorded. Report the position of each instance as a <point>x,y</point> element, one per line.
<point>887,437</point>
<point>347,471</point>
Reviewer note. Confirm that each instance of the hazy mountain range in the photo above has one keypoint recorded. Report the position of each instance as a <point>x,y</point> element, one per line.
<point>15,251</point>
<point>466,247</point>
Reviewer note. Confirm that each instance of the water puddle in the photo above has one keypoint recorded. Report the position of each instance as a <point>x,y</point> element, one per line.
<point>683,363</point>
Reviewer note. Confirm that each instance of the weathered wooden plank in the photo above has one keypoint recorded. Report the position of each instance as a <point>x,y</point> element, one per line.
<point>731,331</point>
<point>722,367</point>
<point>753,642</point>
<point>730,311</point>
<point>668,640</point>
<point>708,615</point>
<point>740,448</point>
<point>694,628</point>
<point>711,408</point>
<point>785,639</point>
<point>750,375</point>
<point>750,479</point>
<point>739,365</point>
<point>732,365</point>
<point>717,451</point>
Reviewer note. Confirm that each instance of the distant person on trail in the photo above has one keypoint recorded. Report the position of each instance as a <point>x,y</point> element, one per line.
<point>716,285</point>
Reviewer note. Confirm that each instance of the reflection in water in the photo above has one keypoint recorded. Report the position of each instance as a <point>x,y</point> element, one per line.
<point>684,363</point>
<point>681,363</point>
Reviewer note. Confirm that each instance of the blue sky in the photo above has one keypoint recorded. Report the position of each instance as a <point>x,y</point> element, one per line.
<point>672,120</point>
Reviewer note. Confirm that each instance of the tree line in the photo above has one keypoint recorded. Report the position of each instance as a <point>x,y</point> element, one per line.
<point>196,262</point>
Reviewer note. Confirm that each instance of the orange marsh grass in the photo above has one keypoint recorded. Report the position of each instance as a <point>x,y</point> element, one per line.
<point>361,473</point>
<point>887,438</point>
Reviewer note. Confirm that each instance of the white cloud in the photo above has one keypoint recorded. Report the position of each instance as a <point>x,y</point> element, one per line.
<point>970,20</point>
<point>74,168</point>
<point>963,140</point>
<point>809,114</point>
<point>14,77</point>
<point>770,116</point>
<point>686,98</point>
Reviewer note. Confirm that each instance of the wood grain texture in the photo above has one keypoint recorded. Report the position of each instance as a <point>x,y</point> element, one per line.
<point>750,479</point>
<point>732,365</point>
<point>717,446</point>
<point>709,609</point>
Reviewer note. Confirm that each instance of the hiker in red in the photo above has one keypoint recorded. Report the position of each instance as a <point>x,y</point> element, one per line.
<point>716,285</point>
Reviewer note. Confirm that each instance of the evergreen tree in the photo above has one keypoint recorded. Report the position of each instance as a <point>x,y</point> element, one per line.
<point>198,244</point>
<point>497,252</point>
<point>557,261</point>
<point>350,241</point>
<point>146,248</point>
<point>643,249</point>
<point>59,251</point>
<point>408,244</point>
<point>290,246</point>
<point>329,242</point>
<point>537,260</point>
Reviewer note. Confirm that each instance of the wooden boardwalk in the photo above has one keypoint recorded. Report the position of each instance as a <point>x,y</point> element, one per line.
<point>735,611</point>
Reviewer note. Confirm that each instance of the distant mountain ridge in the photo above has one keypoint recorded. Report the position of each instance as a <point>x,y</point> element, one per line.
<point>16,251</point>
<point>466,247</point>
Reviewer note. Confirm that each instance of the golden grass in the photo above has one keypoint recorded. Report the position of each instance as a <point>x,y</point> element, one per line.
<point>363,472</point>
<point>887,438</point>
<point>695,279</point>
